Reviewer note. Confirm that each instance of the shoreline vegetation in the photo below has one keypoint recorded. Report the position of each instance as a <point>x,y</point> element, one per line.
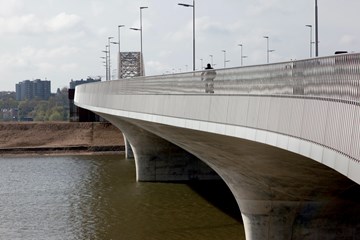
<point>59,138</point>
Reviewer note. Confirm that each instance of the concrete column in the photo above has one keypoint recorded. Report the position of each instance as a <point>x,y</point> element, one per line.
<point>129,154</point>
<point>300,220</point>
<point>159,160</point>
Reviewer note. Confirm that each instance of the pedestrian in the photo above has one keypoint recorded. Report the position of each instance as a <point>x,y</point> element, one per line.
<point>208,76</point>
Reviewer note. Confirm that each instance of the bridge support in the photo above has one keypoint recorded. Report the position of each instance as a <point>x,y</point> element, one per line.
<point>281,195</point>
<point>129,154</point>
<point>300,220</point>
<point>159,160</point>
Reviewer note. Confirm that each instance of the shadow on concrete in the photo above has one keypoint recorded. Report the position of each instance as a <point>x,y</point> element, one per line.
<point>217,193</point>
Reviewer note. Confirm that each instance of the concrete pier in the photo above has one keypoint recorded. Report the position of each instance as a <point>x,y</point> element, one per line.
<point>160,160</point>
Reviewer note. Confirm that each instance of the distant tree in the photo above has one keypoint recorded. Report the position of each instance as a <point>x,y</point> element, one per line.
<point>26,108</point>
<point>56,116</point>
<point>40,116</point>
<point>54,109</point>
<point>8,101</point>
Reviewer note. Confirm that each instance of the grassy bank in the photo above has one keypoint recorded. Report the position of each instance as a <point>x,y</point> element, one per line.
<point>57,137</point>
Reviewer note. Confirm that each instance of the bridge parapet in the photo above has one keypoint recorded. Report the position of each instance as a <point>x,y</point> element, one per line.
<point>336,78</point>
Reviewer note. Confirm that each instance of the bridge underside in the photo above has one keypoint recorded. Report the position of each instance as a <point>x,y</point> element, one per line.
<point>281,195</point>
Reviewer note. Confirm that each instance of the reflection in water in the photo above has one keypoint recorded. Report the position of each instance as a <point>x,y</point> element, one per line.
<point>96,197</point>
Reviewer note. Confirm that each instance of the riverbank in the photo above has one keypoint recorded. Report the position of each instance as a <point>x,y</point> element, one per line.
<point>59,138</point>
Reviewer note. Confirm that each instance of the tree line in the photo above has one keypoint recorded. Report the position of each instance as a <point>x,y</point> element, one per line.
<point>54,109</point>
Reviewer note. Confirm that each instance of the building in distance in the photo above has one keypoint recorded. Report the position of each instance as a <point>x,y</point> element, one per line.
<point>75,83</point>
<point>37,89</point>
<point>78,114</point>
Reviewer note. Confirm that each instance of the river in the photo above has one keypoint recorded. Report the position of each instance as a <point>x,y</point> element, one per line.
<point>97,197</point>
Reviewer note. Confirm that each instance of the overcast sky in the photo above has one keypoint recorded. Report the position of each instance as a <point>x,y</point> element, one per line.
<point>63,40</point>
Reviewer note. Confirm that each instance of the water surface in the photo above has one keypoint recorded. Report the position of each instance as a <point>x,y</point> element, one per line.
<point>97,197</point>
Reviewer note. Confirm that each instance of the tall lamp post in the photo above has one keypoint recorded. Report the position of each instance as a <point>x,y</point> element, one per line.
<point>106,62</point>
<point>316,30</point>
<point>105,65</point>
<point>193,6</point>
<point>241,53</point>
<point>109,63</point>
<point>141,41</point>
<point>225,61</point>
<point>268,51</point>
<point>311,41</point>
<point>116,43</point>
<point>119,53</point>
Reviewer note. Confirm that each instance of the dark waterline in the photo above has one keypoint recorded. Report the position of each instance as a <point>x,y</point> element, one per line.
<point>97,197</point>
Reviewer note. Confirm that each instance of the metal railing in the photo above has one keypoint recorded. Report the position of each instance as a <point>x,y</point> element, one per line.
<point>334,77</point>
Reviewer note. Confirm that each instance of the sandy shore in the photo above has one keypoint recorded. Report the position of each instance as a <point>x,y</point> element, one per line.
<point>59,138</point>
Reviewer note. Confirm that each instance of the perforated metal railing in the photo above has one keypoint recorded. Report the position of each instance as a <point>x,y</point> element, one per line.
<point>335,77</point>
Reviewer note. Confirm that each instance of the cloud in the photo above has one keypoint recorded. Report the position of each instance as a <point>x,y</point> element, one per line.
<point>30,24</point>
<point>205,24</point>
<point>261,7</point>
<point>63,21</point>
<point>20,24</point>
<point>10,7</point>
<point>97,8</point>
<point>68,67</point>
<point>45,67</point>
<point>11,62</point>
<point>40,58</point>
<point>348,40</point>
<point>50,54</point>
<point>156,67</point>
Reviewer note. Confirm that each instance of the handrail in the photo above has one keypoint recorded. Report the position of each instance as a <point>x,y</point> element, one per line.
<point>334,77</point>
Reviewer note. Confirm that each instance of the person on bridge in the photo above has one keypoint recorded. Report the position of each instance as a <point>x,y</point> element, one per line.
<point>208,76</point>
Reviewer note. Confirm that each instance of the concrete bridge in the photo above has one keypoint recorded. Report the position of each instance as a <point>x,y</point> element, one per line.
<point>284,137</point>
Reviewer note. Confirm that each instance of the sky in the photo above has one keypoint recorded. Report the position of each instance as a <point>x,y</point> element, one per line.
<point>63,40</point>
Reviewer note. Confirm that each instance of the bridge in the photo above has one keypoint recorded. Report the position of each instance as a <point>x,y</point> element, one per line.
<point>284,137</point>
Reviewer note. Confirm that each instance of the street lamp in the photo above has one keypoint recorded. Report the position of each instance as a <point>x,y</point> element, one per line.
<point>139,29</point>
<point>311,41</point>
<point>141,37</point>
<point>225,61</point>
<point>316,30</point>
<point>141,41</point>
<point>267,48</point>
<point>109,64</point>
<point>106,62</point>
<point>241,53</point>
<point>193,6</point>
<point>119,54</point>
<point>268,51</point>
<point>116,43</point>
